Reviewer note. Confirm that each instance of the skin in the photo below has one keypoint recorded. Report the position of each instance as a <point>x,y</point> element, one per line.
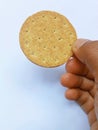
<point>82,71</point>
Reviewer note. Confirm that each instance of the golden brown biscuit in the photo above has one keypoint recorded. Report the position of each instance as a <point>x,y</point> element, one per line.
<point>46,38</point>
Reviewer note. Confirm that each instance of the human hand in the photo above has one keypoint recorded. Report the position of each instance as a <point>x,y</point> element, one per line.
<point>81,78</point>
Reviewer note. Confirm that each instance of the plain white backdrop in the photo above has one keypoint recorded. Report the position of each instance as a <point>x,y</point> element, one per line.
<point>31,97</point>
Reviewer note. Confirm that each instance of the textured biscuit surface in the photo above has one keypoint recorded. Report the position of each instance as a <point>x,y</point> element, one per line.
<point>46,38</point>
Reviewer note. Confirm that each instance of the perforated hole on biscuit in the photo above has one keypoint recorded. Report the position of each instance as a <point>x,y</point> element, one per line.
<point>54,46</point>
<point>44,60</point>
<point>26,42</point>
<point>39,38</point>
<point>65,24</point>
<point>55,17</point>
<point>64,54</point>
<point>43,16</point>
<point>54,31</point>
<point>44,47</point>
<point>26,31</point>
<point>32,53</point>
<point>56,60</point>
<point>44,29</point>
<point>71,33</point>
<point>33,21</point>
<point>60,39</point>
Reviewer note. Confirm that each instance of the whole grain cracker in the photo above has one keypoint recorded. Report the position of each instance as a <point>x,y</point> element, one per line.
<point>46,38</point>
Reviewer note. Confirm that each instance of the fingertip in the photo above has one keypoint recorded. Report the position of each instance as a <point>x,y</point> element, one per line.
<point>82,49</point>
<point>72,94</point>
<point>69,63</point>
<point>64,79</point>
<point>68,95</point>
<point>78,44</point>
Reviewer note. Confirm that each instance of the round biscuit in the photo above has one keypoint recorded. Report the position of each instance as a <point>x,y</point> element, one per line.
<point>46,38</point>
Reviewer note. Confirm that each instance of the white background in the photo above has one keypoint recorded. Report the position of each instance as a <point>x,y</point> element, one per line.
<point>31,97</point>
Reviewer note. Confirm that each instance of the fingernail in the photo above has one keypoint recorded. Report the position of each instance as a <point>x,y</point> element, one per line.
<point>71,58</point>
<point>79,43</point>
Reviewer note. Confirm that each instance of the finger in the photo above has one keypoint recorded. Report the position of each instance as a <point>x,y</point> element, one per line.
<point>94,125</point>
<point>96,102</point>
<point>75,81</point>
<point>93,91</point>
<point>76,67</point>
<point>92,117</point>
<point>87,53</point>
<point>84,100</point>
<point>82,97</point>
<point>73,94</point>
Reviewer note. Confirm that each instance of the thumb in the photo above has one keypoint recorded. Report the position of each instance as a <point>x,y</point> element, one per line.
<point>87,52</point>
